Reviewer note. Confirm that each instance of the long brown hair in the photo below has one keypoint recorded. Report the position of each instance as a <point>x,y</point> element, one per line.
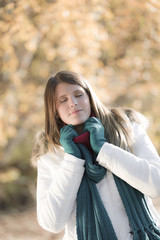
<point>116,121</point>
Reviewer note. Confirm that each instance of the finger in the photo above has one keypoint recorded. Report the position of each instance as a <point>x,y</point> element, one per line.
<point>70,126</point>
<point>93,120</point>
<point>66,128</point>
<point>87,126</point>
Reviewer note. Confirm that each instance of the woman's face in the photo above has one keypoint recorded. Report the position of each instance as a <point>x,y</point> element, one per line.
<point>72,103</point>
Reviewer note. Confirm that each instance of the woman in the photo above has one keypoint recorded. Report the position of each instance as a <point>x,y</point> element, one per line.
<point>97,168</point>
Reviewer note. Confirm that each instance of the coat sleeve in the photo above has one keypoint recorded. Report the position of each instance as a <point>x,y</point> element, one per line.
<point>141,170</point>
<point>57,187</point>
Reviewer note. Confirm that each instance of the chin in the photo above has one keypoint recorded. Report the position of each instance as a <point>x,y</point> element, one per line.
<point>77,123</point>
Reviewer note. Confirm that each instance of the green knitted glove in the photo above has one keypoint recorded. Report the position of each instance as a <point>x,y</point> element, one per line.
<point>96,129</point>
<point>67,134</point>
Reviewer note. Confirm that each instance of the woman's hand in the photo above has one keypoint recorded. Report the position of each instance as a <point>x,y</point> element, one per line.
<point>96,129</point>
<point>67,133</point>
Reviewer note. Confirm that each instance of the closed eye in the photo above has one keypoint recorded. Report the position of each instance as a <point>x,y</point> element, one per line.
<point>63,100</point>
<point>78,95</point>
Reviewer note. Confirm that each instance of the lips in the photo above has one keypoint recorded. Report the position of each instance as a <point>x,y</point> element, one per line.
<point>75,111</point>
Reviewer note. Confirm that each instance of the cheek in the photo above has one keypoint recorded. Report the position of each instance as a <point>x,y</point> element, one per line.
<point>87,106</point>
<point>61,111</point>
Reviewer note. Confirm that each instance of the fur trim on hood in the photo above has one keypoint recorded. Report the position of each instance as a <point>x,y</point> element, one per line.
<point>42,146</point>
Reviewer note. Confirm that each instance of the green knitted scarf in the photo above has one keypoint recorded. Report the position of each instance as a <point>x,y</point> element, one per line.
<point>92,220</point>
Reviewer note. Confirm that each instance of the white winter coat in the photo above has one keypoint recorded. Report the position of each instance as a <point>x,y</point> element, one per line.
<point>60,174</point>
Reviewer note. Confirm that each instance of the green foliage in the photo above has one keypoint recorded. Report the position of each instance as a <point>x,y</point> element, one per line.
<point>113,43</point>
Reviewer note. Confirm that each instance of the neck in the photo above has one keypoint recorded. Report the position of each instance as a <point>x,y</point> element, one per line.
<point>79,129</point>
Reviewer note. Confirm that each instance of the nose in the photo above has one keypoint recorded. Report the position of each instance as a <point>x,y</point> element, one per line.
<point>73,102</point>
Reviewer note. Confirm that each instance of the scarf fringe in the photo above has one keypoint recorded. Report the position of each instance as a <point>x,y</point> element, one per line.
<point>92,218</point>
<point>139,235</point>
<point>139,216</point>
<point>146,234</point>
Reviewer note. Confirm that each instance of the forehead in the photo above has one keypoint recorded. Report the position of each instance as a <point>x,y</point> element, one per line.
<point>66,89</point>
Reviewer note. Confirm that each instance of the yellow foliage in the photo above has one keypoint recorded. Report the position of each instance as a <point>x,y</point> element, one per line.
<point>12,174</point>
<point>114,44</point>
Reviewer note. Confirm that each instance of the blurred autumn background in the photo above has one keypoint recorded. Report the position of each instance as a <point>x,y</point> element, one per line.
<point>115,44</point>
